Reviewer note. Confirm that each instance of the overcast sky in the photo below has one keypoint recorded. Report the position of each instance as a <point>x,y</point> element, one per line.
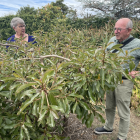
<point>11,6</point>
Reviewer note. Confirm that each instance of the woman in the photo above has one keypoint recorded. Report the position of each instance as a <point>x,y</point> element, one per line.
<point>18,25</point>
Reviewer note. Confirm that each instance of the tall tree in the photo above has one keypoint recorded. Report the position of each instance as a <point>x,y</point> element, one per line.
<point>26,10</point>
<point>59,3</point>
<point>114,8</point>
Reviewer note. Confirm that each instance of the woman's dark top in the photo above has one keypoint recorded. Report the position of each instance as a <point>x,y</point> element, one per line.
<point>30,39</point>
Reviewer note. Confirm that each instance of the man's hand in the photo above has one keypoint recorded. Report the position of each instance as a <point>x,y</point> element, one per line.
<point>133,74</point>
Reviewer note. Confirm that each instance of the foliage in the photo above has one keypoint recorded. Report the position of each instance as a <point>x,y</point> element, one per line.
<point>47,17</point>
<point>88,22</point>
<point>113,8</point>
<point>135,100</point>
<point>65,72</point>
<point>27,10</point>
<point>136,28</point>
<point>59,3</point>
<point>5,29</point>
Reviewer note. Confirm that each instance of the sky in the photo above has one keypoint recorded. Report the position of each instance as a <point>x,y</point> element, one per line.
<point>8,7</point>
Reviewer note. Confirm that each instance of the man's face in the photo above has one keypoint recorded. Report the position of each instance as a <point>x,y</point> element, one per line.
<point>120,30</point>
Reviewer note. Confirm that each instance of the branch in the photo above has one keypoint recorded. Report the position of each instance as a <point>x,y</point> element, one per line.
<point>41,57</point>
<point>9,45</point>
<point>46,56</point>
<point>55,56</point>
<point>72,52</point>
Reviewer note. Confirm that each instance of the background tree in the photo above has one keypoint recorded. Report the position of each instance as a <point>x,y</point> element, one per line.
<point>47,17</point>
<point>26,10</point>
<point>114,8</point>
<point>59,3</point>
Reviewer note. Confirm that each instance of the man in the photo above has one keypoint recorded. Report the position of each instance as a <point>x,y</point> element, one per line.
<point>122,94</point>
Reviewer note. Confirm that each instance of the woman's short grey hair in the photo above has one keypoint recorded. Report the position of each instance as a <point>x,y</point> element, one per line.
<point>129,24</point>
<point>15,21</point>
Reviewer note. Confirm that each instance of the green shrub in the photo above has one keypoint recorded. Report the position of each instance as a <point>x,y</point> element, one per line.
<point>65,72</point>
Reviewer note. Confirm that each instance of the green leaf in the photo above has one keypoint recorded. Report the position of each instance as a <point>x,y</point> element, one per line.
<point>34,110</point>
<point>85,118</point>
<point>90,120</point>
<point>76,95</point>
<point>17,76</point>
<point>26,132</point>
<point>60,103</point>
<point>57,87</point>
<point>120,77</point>
<point>52,99</point>
<point>9,79</point>
<point>5,93</point>
<point>21,134</point>
<point>26,103</point>
<point>9,126</point>
<point>28,93</point>
<point>90,93</point>
<point>117,47</point>
<point>47,75</point>
<point>18,73</point>
<point>67,106</point>
<point>24,86</point>
<point>49,135</point>
<point>42,115</point>
<point>108,78</point>
<point>78,112</point>
<point>42,137</point>
<point>37,80</point>
<point>50,120</point>
<point>1,118</point>
<point>67,138</point>
<point>28,125</point>
<point>101,117</point>
<point>3,86</point>
<point>63,65</point>
<point>84,105</point>
<point>14,86</point>
<point>102,75</point>
<point>28,119</point>
<point>57,108</point>
<point>59,81</point>
<point>74,107</point>
<point>98,86</point>
<point>55,114</point>
<point>71,99</point>
<point>80,84</point>
<point>110,85</point>
<point>134,49</point>
<point>98,108</point>
<point>42,100</point>
<point>131,65</point>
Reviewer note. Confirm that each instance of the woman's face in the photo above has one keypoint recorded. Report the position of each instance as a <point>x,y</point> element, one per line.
<point>20,29</point>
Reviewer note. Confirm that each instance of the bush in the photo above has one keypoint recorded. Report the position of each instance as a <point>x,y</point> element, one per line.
<point>65,72</point>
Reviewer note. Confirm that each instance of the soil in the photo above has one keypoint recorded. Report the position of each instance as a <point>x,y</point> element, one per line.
<point>77,131</point>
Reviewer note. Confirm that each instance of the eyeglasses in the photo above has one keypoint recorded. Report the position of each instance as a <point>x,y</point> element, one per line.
<point>22,26</point>
<point>119,29</point>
